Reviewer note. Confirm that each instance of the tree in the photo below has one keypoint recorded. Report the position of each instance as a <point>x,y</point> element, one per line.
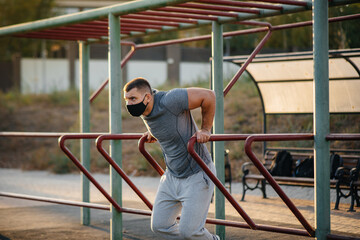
<point>20,11</point>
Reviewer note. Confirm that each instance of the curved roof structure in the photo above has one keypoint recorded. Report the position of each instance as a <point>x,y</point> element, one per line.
<point>285,81</point>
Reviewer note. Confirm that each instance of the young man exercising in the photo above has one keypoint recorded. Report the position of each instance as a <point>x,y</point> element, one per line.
<point>184,188</point>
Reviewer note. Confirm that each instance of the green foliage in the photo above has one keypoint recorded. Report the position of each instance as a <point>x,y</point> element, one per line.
<point>20,11</point>
<point>344,34</point>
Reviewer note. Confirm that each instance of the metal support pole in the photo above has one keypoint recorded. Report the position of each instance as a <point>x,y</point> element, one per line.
<point>321,118</point>
<point>84,54</point>
<point>115,81</point>
<point>217,84</point>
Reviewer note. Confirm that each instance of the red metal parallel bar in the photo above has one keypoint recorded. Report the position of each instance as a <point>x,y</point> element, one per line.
<point>343,136</point>
<point>76,29</point>
<point>156,18</point>
<point>241,32</point>
<point>72,31</point>
<point>132,29</point>
<point>255,23</point>
<point>269,177</point>
<point>77,163</point>
<point>136,211</point>
<point>152,22</point>
<point>261,227</point>
<point>309,23</point>
<point>108,158</point>
<point>103,23</point>
<point>141,26</point>
<point>61,37</point>
<point>246,31</point>
<point>216,181</point>
<point>148,157</point>
<point>247,62</point>
<point>173,41</point>
<point>218,8</point>
<point>88,25</point>
<point>123,62</point>
<point>289,2</point>
<point>197,11</point>
<point>54,200</point>
<point>178,15</point>
<point>85,34</point>
<point>242,4</point>
<point>74,203</point>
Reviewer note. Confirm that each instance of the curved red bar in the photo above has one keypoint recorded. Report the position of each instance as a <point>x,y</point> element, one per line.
<point>218,183</point>
<point>77,163</point>
<point>148,157</point>
<point>250,58</point>
<point>269,177</point>
<point>99,141</point>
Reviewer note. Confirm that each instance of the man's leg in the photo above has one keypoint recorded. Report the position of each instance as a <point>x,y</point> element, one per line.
<point>166,209</point>
<point>197,191</point>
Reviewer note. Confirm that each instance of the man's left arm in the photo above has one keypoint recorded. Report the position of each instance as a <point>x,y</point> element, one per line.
<point>205,99</point>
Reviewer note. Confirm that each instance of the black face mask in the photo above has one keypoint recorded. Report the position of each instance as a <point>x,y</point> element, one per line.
<point>137,109</point>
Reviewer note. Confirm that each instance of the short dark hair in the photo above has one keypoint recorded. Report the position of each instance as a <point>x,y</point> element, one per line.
<point>139,83</point>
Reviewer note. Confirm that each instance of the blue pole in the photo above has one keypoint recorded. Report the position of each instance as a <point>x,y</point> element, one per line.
<point>84,54</point>
<point>218,146</point>
<point>321,118</point>
<point>115,81</point>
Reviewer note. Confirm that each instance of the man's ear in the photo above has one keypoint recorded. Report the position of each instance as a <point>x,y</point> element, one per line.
<point>148,97</point>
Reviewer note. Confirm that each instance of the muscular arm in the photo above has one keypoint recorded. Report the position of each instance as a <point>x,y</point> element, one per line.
<point>205,99</point>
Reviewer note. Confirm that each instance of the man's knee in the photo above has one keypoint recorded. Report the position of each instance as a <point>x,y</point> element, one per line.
<point>160,226</point>
<point>156,225</point>
<point>188,232</point>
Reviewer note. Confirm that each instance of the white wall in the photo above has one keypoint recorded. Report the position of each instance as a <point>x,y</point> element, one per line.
<point>46,76</point>
<point>154,71</point>
<point>39,76</point>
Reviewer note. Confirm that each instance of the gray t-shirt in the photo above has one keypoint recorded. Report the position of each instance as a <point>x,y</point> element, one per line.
<point>171,123</point>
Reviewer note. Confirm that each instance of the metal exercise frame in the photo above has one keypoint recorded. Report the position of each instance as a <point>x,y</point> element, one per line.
<point>249,139</point>
<point>140,18</point>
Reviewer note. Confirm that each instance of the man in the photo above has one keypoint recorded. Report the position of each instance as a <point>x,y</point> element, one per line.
<point>184,187</point>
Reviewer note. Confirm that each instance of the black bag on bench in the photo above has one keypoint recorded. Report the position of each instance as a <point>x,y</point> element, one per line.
<point>305,168</point>
<point>281,164</point>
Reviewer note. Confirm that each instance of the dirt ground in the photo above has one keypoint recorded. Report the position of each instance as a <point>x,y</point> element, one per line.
<point>22,219</point>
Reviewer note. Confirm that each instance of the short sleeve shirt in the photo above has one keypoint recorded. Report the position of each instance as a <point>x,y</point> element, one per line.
<point>171,123</point>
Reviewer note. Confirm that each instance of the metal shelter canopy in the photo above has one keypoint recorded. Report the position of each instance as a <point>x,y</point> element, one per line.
<point>139,18</point>
<point>285,81</point>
